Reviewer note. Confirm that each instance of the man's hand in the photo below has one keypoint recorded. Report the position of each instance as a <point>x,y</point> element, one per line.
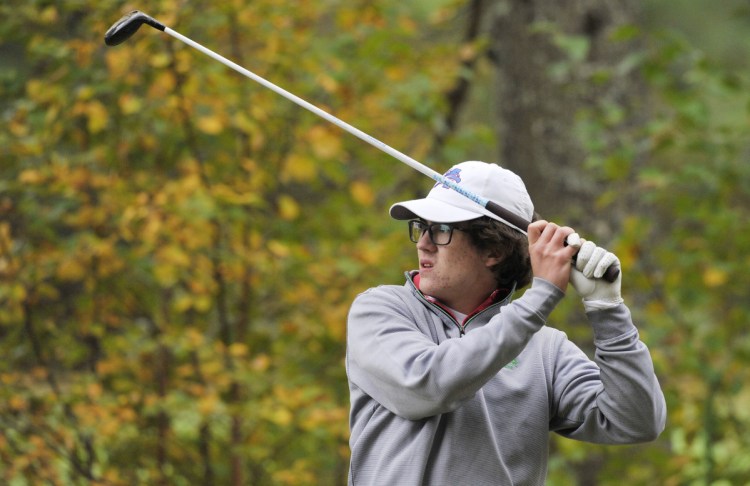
<point>591,263</point>
<point>550,257</point>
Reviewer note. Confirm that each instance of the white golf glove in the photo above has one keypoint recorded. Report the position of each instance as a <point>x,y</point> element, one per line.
<point>590,264</point>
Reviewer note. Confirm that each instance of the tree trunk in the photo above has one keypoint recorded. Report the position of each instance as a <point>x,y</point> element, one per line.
<point>546,56</point>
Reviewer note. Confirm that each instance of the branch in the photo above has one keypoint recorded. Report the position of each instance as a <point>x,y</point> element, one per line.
<point>457,95</point>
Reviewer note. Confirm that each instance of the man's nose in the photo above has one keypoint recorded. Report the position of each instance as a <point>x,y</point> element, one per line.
<point>425,242</point>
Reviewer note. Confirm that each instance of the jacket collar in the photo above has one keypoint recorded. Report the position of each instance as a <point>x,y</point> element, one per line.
<point>499,296</point>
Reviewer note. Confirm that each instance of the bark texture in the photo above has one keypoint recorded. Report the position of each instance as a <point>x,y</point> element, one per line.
<point>542,86</point>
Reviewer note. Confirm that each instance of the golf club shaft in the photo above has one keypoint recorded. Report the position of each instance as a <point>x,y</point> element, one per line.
<point>129,24</point>
<point>414,164</point>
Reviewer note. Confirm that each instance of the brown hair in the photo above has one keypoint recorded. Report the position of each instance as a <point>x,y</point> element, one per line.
<point>506,243</point>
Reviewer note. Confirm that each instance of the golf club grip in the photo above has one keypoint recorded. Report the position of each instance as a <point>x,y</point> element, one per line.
<point>508,216</point>
<point>610,275</point>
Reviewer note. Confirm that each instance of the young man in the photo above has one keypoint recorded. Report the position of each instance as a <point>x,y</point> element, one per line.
<point>452,382</point>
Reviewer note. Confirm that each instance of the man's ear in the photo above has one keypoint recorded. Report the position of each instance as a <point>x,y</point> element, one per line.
<point>492,258</point>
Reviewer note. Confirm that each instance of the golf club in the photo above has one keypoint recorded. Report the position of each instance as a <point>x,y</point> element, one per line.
<point>129,24</point>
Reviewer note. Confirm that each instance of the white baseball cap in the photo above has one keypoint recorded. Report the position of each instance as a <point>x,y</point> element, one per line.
<point>490,181</point>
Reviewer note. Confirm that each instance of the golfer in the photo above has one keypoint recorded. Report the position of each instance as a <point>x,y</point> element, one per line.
<point>455,378</point>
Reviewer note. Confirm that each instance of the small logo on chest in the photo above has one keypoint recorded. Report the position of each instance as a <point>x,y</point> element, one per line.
<point>512,365</point>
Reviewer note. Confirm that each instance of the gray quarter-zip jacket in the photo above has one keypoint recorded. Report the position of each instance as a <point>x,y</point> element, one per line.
<point>433,403</point>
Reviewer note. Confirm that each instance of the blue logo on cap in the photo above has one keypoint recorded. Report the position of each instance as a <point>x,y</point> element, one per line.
<point>454,175</point>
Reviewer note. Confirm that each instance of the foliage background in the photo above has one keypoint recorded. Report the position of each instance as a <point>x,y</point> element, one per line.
<point>179,246</point>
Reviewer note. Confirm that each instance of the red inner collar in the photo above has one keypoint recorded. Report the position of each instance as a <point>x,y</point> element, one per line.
<point>495,296</point>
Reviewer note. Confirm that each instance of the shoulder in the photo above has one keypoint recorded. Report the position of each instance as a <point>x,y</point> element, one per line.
<point>385,292</point>
<point>390,301</point>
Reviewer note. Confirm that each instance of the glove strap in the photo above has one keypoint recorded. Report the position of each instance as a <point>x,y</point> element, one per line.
<point>591,305</point>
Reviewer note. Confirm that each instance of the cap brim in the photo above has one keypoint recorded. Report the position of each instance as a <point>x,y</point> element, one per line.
<point>432,210</point>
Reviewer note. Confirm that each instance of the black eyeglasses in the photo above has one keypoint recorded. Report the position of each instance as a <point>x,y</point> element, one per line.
<point>440,233</point>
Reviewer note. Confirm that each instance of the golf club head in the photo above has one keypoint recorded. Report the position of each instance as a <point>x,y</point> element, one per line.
<point>127,26</point>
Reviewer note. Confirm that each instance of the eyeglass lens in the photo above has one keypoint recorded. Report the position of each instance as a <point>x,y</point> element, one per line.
<point>440,234</point>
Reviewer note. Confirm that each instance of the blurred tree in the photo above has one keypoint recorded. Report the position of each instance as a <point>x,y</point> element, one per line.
<point>176,261</point>
<point>554,60</point>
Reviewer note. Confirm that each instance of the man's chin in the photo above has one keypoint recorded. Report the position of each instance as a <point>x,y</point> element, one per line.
<point>430,290</point>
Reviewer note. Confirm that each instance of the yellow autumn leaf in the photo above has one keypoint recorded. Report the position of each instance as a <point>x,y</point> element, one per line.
<point>18,402</point>
<point>5,233</point>
<point>130,104</point>
<point>281,416</point>
<point>396,73</point>
<point>17,293</point>
<point>238,350</point>
<point>278,248</point>
<point>288,208</point>
<point>408,24</point>
<point>97,116</point>
<point>30,176</point>
<point>94,390</point>
<point>48,15</point>
<point>165,275</point>
<point>329,84</point>
<point>244,123</point>
<point>298,168</point>
<point>261,363</point>
<point>86,92</point>
<point>324,144</point>
<point>163,85</point>
<point>18,128</point>
<point>38,442</point>
<point>175,255</point>
<point>202,303</point>
<point>714,277</point>
<point>362,193</point>
<point>211,125</point>
<point>182,303</point>
<point>160,60</point>
<point>71,270</point>
<point>195,338</point>
<point>208,404</point>
<point>35,89</point>
<point>468,52</point>
<point>118,62</point>
<point>227,194</point>
<point>108,427</point>
<point>127,415</point>
<point>183,61</point>
<point>347,19</point>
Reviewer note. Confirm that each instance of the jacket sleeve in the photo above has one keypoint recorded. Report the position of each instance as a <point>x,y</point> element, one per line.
<point>402,368</point>
<point>617,398</point>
